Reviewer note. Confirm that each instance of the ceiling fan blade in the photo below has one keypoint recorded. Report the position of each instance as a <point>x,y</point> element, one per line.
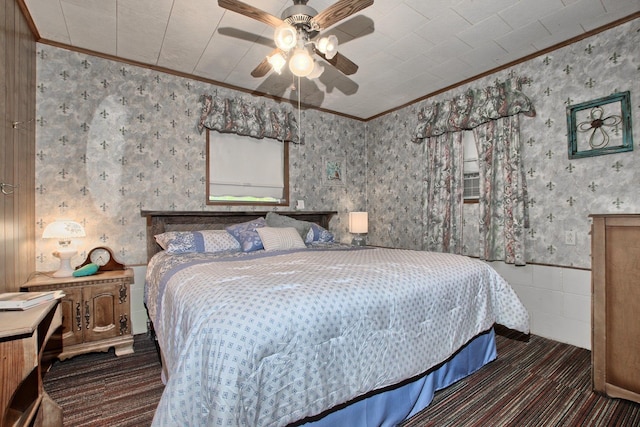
<point>340,62</point>
<point>262,69</point>
<point>251,12</point>
<point>338,11</point>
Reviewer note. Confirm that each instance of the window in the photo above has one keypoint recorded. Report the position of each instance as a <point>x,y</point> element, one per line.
<point>471,168</point>
<point>245,170</point>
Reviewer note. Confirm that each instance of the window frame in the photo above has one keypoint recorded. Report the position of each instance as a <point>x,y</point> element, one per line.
<point>469,175</point>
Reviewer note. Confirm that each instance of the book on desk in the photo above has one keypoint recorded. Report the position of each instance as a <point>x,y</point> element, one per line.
<point>26,300</point>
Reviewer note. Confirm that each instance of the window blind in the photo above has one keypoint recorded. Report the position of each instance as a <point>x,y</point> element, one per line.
<point>240,166</point>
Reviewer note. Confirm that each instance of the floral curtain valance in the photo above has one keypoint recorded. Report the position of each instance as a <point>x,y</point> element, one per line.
<point>245,118</point>
<point>473,108</point>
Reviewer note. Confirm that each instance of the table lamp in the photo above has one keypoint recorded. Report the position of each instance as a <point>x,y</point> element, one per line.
<point>358,225</point>
<point>64,231</point>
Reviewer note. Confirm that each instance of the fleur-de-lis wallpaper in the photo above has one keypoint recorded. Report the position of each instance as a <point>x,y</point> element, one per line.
<point>562,192</point>
<point>113,139</point>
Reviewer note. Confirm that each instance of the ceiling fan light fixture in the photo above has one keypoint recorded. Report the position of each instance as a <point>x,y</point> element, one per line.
<point>322,44</point>
<point>328,46</point>
<point>285,37</point>
<point>332,47</point>
<point>298,28</point>
<point>301,63</point>
<point>277,62</point>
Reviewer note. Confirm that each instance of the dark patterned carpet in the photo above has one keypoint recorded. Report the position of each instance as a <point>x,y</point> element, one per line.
<point>533,383</point>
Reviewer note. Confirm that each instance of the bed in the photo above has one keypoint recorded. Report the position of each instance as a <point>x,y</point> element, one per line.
<point>320,335</point>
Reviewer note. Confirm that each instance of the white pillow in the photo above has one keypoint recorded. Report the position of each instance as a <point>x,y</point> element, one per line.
<point>280,238</point>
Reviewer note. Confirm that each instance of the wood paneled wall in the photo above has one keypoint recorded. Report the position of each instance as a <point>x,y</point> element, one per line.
<point>17,146</point>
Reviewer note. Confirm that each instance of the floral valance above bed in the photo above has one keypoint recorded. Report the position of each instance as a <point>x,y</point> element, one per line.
<point>473,108</point>
<point>236,115</point>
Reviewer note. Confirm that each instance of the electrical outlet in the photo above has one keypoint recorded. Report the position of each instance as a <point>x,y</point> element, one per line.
<point>570,237</point>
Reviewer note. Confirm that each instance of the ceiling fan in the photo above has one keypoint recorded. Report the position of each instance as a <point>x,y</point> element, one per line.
<point>296,36</point>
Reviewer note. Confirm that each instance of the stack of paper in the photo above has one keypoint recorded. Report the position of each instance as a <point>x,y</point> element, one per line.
<point>25,300</point>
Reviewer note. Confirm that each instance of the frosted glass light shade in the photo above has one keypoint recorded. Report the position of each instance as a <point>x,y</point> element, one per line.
<point>301,63</point>
<point>277,62</point>
<point>285,37</point>
<point>63,230</point>
<point>328,46</point>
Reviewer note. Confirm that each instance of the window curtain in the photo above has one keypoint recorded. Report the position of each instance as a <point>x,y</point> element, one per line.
<point>236,115</point>
<point>503,191</point>
<point>493,113</point>
<point>443,193</point>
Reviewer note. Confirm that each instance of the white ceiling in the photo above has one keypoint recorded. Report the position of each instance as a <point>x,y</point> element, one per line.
<point>405,49</point>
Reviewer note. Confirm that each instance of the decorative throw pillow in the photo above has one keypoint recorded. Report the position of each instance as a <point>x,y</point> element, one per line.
<point>180,242</point>
<point>164,238</point>
<point>219,241</point>
<point>280,238</point>
<point>318,234</point>
<point>276,220</point>
<point>183,243</point>
<point>245,233</point>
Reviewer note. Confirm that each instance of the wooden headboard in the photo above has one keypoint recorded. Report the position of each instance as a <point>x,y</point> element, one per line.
<point>160,221</point>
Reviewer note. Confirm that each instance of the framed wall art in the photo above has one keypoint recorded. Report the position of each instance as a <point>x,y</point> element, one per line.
<point>333,171</point>
<point>601,126</point>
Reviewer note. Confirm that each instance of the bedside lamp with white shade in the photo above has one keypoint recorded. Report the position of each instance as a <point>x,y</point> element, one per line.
<point>358,225</point>
<point>64,231</point>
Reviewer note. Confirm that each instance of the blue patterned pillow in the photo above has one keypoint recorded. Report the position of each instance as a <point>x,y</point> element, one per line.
<point>245,233</point>
<point>181,242</point>
<point>318,234</point>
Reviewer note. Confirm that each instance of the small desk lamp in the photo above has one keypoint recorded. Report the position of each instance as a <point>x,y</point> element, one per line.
<point>358,225</point>
<point>64,231</point>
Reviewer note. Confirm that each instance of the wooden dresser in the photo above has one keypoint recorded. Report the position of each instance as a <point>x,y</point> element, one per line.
<point>96,311</point>
<point>615,282</point>
<point>29,342</point>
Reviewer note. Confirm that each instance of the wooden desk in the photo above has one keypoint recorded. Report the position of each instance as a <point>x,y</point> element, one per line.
<point>29,342</point>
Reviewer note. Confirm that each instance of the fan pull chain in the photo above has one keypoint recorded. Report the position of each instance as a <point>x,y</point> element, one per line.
<point>299,123</point>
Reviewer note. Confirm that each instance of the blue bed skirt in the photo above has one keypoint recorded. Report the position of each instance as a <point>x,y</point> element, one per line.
<point>391,407</point>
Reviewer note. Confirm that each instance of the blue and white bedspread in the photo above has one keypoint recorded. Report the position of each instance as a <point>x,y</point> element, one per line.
<point>265,340</point>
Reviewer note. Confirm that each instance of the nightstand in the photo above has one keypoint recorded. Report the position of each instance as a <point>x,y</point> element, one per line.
<point>96,311</point>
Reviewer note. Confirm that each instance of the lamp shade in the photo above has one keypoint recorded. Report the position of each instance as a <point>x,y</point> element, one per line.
<point>301,63</point>
<point>328,46</point>
<point>277,61</point>
<point>285,37</point>
<point>358,222</point>
<point>63,230</point>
